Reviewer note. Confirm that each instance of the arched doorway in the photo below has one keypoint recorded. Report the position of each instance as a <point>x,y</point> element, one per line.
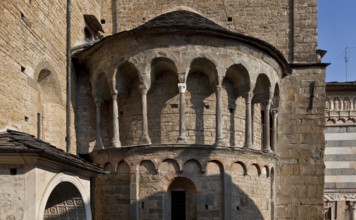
<point>65,202</point>
<point>183,199</point>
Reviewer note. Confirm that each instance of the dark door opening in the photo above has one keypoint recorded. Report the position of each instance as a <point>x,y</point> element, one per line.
<point>178,205</point>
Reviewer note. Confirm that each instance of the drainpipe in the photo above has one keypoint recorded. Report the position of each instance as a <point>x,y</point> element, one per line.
<point>116,27</point>
<point>69,85</point>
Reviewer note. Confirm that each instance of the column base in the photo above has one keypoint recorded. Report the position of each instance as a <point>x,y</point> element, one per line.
<point>267,150</point>
<point>219,143</point>
<point>247,146</point>
<point>182,140</point>
<point>145,140</point>
<point>99,145</point>
<point>116,144</point>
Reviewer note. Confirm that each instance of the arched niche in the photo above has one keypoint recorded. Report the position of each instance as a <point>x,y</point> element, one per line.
<point>129,103</point>
<point>201,102</point>
<point>147,167</point>
<point>50,108</point>
<point>347,103</point>
<point>125,77</point>
<point>162,102</point>
<point>103,100</point>
<point>192,167</point>
<point>169,166</point>
<point>206,66</point>
<point>65,192</point>
<point>254,170</point>
<point>236,84</point>
<point>238,169</point>
<point>337,103</point>
<point>261,95</point>
<point>123,170</point>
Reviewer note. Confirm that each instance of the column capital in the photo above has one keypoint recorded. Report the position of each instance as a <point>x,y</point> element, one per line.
<point>143,88</point>
<point>249,96</point>
<point>352,205</point>
<point>182,87</point>
<point>274,113</point>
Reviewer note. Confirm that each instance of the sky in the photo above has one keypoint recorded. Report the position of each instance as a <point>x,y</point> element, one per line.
<point>336,31</point>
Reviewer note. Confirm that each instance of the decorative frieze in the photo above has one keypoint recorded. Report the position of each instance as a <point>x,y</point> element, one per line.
<point>339,196</point>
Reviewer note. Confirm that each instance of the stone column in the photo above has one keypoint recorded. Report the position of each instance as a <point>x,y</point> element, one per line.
<point>182,138</point>
<point>274,130</point>
<point>219,135</point>
<point>115,117</point>
<point>248,122</point>
<point>145,139</point>
<point>352,210</point>
<point>267,128</point>
<point>99,142</point>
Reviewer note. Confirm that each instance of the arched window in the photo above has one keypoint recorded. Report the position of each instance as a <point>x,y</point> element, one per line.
<point>50,108</point>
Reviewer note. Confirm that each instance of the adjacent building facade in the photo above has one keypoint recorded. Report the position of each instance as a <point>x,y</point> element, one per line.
<point>198,109</point>
<point>340,176</point>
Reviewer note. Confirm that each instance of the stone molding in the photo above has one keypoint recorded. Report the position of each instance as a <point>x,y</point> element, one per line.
<point>339,196</point>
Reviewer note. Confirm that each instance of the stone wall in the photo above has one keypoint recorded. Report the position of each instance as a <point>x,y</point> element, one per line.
<point>219,183</point>
<point>33,39</point>
<point>289,25</point>
<point>301,145</point>
<point>12,194</point>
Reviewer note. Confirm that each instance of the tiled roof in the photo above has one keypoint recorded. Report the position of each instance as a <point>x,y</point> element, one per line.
<point>181,19</point>
<point>18,142</point>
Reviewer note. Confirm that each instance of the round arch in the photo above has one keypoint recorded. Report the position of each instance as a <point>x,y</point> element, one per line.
<point>64,178</point>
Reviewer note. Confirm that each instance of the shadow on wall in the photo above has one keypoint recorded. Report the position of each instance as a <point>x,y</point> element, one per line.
<point>168,190</point>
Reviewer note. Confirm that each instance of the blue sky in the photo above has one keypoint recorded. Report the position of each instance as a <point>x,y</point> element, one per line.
<point>337,30</point>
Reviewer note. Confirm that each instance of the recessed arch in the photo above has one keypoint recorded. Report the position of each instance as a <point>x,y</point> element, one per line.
<point>262,89</point>
<point>331,121</point>
<point>265,172</point>
<point>168,165</point>
<point>341,121</point>
<point>148,167</point>
<point>123,168</point>
<point>71,181</point>
<point>214,168</point>
<point>337,103</point>
<point>192,166</point>
<point>205,66</point>
<point>161,65</point>
<point>162,101</point>
<point>239,77</point>
<point>254,170</point>
<point>351,120</point>
<point>126,74</point>
<point>239,168</point>
<point>346,103</point>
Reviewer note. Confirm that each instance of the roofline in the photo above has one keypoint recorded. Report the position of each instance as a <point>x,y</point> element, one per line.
<point>255,42</point>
